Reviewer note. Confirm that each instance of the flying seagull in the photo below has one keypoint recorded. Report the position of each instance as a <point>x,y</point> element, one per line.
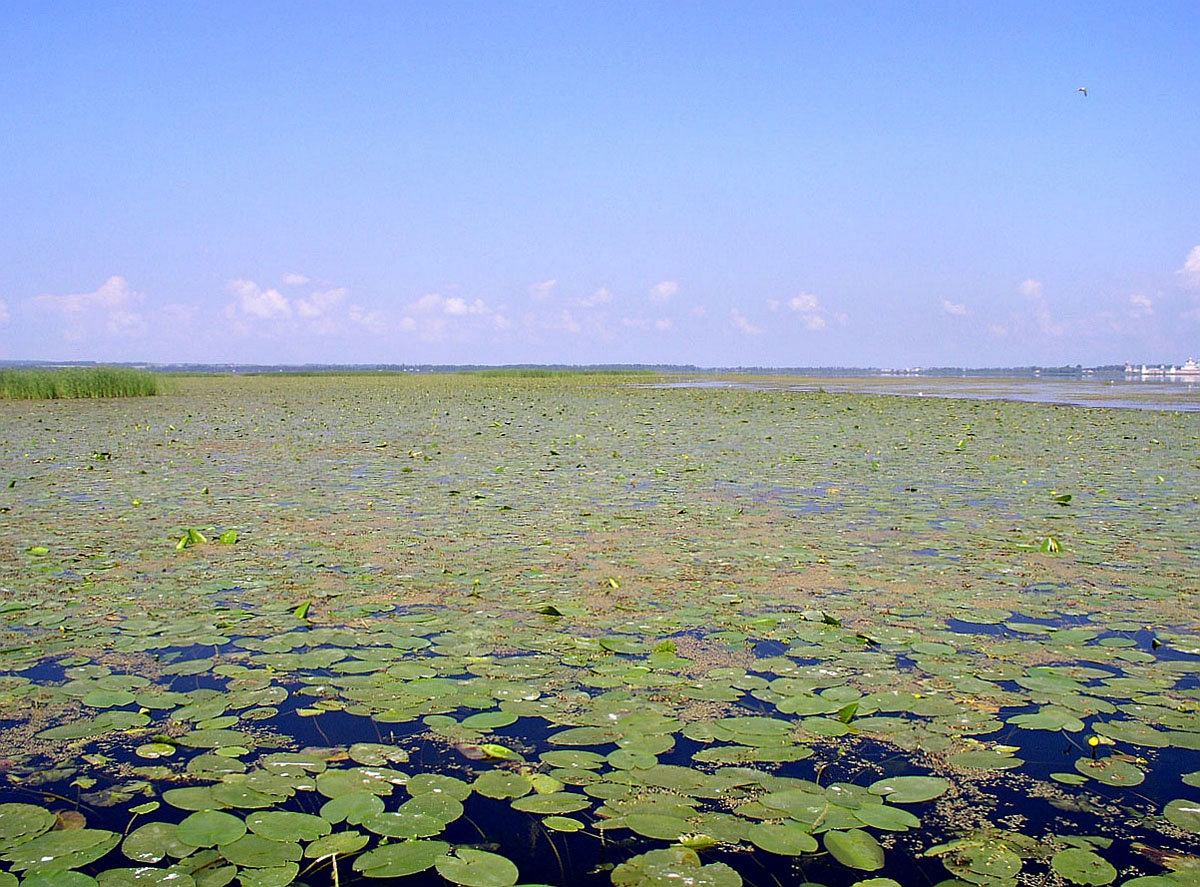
<point>1083,89</point>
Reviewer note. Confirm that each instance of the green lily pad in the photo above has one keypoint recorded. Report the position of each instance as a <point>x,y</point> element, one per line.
<point>438,783</point>
<point>787,839</point>
<point>1110,771</point>
<point>192,798</point>
<point>398,860</point>
<point>660,826</point>
<point>286,825</point>
<point>477,868</point>
<point>339,843</point>
<point>64,849</point>
<point>58,879</point>
<point>1083,867</point>
<point>215,738</point>
<point>208,828</point>
<point>909,789</point>
<point>502,784</point>
<point>374,754</point>
<point>489,720</point>
<point>145,876</point>
<point>270,876</point>
<point>155,841</point>
<point>673,865</point>
<point>405,824</point>
<point>886,817</point>
<point>1183,813</point>
<point>252,851</point>
<point>556,802</point>
<point>353,807</point>
<point>24,821</point>
<point>984,759</point>
<point>855,849</point>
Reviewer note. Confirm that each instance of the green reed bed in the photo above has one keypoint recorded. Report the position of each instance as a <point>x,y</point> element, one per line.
<point>81,382</point>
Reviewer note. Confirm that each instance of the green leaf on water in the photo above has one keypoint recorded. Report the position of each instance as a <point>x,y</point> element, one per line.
<point>1083,867</point>
<point>477,868</point>
<point>1184,813</point>
<point>208,828</point>
<point>855,849</point>
<point>398,860</point>
<point>909,789</point>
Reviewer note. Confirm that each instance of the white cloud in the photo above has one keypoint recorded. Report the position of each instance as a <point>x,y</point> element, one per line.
<point>112,305</point>
<point>427,303</point>
<point>1191,266</point>
<point>1039,307</point>
<point>600,297</point>
<point>458,306</point>
<point>1031,288</point>
<point>125,323</point>
<point>372,321</point>
<point>1140,305</point>
<point>455,306</point>
<point>662,292</point>
<point>812,314</point>
<point>257,302</point>
<point>955,309</point>
<point>4,315</point>
<point>804,303</point>
<point>544,289</point>
<point>436,317</point>
<point>500,322</point>
<point>295,279</point>
<point>569,323</point>
<point>320,303</point>
<point>664,324</point>
<point>742,324</point>
<point>699,311</point>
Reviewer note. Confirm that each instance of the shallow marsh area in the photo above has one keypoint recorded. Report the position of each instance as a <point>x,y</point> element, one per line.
<point>578,630</point>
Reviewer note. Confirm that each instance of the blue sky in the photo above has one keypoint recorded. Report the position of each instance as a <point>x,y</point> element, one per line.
<point>786,184</point>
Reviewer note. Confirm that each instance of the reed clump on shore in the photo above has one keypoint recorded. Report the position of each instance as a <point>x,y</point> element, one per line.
<point>77,382</point>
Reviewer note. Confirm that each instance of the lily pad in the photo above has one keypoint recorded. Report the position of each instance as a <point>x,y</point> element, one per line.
<point>338,843</point>
<point>66,849</point>
<point>1081,866</point>
<point>909,789</point>
<point>252,851</point>
<point>208,828</point>
<point>398,860</point>
<point>787,839</point>
<point>287,825</point>
<point>855,849</point>
<point>1184,813</point>
<point>477,868</point>
<point>674,865</point>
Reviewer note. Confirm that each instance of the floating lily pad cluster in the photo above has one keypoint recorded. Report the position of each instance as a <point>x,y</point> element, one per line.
<point>694,627</point>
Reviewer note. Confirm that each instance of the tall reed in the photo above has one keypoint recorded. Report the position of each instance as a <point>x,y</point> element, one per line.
<point>102,381</point>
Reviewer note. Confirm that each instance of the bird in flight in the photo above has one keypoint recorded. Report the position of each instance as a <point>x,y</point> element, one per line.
<point>1083,89</point>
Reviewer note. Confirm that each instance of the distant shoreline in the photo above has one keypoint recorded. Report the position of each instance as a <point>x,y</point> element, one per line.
<point>1104,373</point>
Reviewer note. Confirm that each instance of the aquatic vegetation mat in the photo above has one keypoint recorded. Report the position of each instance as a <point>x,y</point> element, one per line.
<point>494,630</point>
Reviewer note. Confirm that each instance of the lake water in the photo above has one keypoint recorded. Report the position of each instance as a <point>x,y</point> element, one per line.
<point>1114,394</point>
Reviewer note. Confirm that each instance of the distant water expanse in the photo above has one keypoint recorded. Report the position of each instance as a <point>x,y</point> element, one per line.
<point>1133,394</point>
<point>1106,386</point>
